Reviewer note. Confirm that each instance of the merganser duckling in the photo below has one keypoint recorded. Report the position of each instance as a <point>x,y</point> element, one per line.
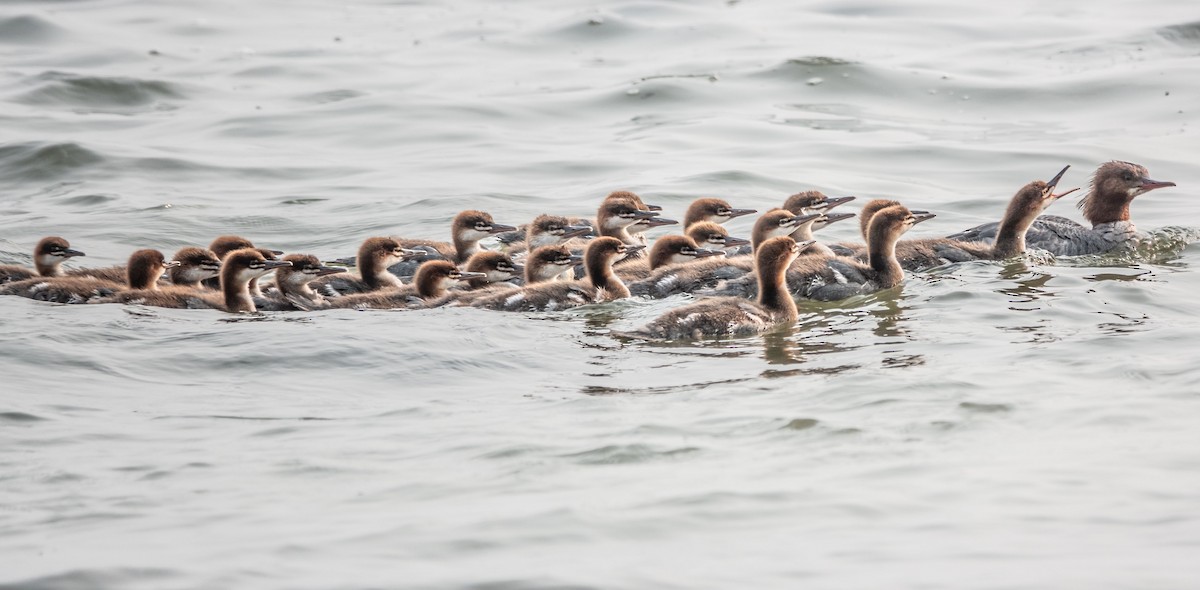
<point>706,274</point>
<point>293,283</point>
<point>223,245</point>
<point>430,284</point>
<point>195,265</point>
<point>1023,209</point>
<point>549,263</point>
<point>544,230</point>
<point>601,284</point>
<point>804,233</point>
<point>831,279</point>
<point>238,268</point>
<point>714,210</point>
<point>48,256</point>
<point>618,212</point>
<point>734,316</point>
<point>807,202</point>
<point>667,250</point>
<point>492,268</point>
<point>375,256</point>
<point>466,231</point>
<point>1106,206</point>
<point>144,269</point>
<point>714,236</point>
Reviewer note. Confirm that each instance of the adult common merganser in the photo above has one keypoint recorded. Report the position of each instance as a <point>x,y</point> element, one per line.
<point>735,316</point>
<point>1106,207</point>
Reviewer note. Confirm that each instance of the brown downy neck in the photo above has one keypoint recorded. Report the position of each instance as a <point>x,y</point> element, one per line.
<point>771,262</point>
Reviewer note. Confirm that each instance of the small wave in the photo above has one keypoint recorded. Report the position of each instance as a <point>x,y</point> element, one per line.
<point>92,578</point>
<point>619,454</point>
<point>27,30</point>
<point>38,161</point>
<point>100,92</point>
<point>19,417</point>
<point>1183,34</point>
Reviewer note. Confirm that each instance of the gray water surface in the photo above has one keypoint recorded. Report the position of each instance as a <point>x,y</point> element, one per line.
<point>1000,426</point>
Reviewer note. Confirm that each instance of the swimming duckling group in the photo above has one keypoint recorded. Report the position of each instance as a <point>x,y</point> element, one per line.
<point>742,286</point>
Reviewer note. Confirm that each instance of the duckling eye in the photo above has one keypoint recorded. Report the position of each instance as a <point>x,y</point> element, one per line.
<point>482,226</point>
<point>687,251</point>
<point>1127,176</point>
<point>556,229</point>
<point>562,261</point>
<point>723,212</point>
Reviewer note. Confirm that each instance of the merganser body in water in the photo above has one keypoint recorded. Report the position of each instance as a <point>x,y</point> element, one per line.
<point>466,231</point>
<point>431,282</point>
<point>374,258</point>
<point>667,250</point>
<point>294,284</point>
<point>831,279</point>
<point>712,210</point>
<point>238,268</point>
<point>1023,209</point>
<point>601,283</point>
<point>735,316</point>
<point>143,271</point>
<point>1106,207</point>
<point>48,256</point>
<point>705,274</point>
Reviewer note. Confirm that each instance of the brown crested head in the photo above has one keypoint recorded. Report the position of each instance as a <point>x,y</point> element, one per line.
<point>776,252</point>
<point>474,225</point>
<point>195,264</point>
<point>247,263</point>
<point>801,202</point>
<point>707,234</point>
<point>494,266</point>
<point>55,246</point>
<point>547,262</point>
<point>776,222</point>
<point>869,210</point>
<point>674,249</point>
<point>618,211</point>
<point>889,223</point>
<point>712,209</point>
<point>608,250</point>
<point>226,244</point>
<point>145,267</point>
<point>553,228</point>
<point>1114,186</point>
<point>813,202</point>
<point>379,251</point>
<point>304,268</point>
<point>627,196</point>
<point>434,277</point>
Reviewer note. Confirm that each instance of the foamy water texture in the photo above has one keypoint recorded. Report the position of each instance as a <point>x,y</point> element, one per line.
<point>998,426</point>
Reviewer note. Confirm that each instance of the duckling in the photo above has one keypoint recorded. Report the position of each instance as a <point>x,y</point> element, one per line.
<point>714,236</point>
<point>666,250</point>
<point>1023,209</point>
<point>293,283</point>
<point>466,231</point>
<point>493,268</point>
<point>144,269</point>
<point>1106,207</point>
<point>48,256</point>
<point>734,316</point>
<point>544,230</point>
<point>831,279</point>
<point>238,268</point>
<point>712,210</point>
<point>429,284</point>
<point>195,265</point>
<point>549,263</point>
<point>222,245</point>
<point>618,213</point>
<point>804,233</point>
<point>706,274</point>
<point>375,256</point>
<point>813,202</point>
<point>601,283</point>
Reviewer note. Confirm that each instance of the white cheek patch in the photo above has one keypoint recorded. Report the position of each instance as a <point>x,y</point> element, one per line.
<point>1135,191</point>
<point>49,259</point>
<point>472,235</point>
